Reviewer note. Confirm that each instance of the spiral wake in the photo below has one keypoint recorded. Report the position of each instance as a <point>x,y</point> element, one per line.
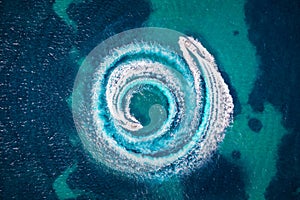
<point>151,102</point>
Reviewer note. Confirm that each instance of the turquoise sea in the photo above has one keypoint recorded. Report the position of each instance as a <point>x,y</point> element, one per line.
<point>256,45</point>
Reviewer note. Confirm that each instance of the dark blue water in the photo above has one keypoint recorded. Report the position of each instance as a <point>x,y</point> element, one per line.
<point>274,28</point>
<point>37,75</point>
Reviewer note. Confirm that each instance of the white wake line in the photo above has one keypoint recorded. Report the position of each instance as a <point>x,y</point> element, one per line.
<point>216,119</point>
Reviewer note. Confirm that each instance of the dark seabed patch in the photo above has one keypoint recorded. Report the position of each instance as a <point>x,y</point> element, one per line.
<point>98,20</point>
<point>286,184</point>
<point>236,155</point>
<point>219,179</point>
<point>236,32</point>
<point>274,28</point>
<point>255,124</point>
<point>104,184</point>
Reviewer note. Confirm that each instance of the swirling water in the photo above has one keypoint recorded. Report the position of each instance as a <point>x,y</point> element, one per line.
<point>43,43</point>
<point>184,128</point>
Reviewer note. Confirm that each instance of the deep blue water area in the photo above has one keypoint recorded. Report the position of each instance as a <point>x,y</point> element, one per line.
<point>220,179</point>
<point>97,20</point>
<point>37,77</point>
<point>103,184</point>
<point>274,28</point>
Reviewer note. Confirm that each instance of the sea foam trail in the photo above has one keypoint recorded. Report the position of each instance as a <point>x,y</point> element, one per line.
<point>183,132</point>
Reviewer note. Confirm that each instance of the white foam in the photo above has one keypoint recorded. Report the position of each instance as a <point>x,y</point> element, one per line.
<point>193,127</point>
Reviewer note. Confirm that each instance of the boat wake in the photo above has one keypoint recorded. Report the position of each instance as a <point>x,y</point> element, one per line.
<point>151,102</point>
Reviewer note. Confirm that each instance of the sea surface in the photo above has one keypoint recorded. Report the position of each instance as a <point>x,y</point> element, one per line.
<point>256,44</point>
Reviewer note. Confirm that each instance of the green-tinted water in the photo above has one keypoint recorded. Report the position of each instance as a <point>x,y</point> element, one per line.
<point>221,25</point>
<point>143,100</point>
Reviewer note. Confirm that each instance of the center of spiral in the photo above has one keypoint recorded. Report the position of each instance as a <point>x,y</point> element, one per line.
<point>142,102</point>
